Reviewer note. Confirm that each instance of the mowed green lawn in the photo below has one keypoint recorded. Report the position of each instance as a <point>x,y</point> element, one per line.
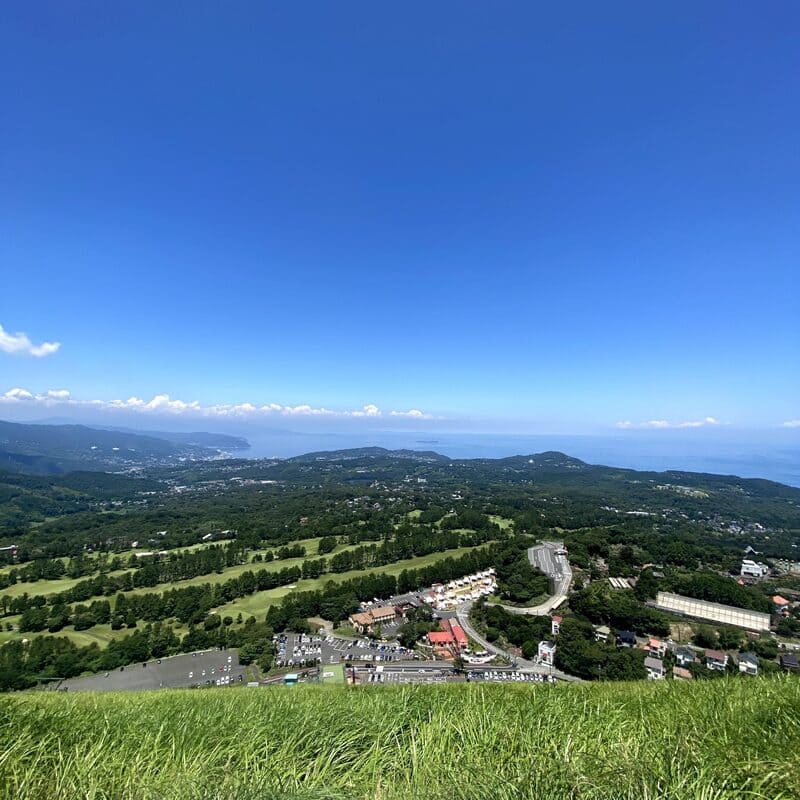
<point>311,546</point>
<point>123,554</point>
<point>256,604</point>
<point>62,584</point>
<point>725,739</point>
<point>100,634</point>
<point>252,605</point>
<point>49,587</point>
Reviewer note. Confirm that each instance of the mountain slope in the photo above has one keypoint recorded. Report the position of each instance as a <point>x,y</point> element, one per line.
<point>52,449</point>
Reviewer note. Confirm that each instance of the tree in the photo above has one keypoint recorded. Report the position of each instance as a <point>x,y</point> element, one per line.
<point>766,647</point>
<point>326,545</point>
<point>729,638</point>
<point>705,636</point>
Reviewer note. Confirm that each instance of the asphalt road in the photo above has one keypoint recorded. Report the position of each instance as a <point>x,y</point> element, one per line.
<point>545,557</point>
<point>522,664</point>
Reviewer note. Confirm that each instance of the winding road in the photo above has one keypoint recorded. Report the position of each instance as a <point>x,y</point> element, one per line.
<point>550,558</point>
<point>522,664</point>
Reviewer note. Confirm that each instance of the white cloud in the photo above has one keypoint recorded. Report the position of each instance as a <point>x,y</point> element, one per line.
<point>369,410</point>
<point>164,404</point>
<point>19,344</point>
<point>792,423</point>
<point>661,424</point>
<point>699,423</point>
<point>413,413</point>
<point>16,394</point>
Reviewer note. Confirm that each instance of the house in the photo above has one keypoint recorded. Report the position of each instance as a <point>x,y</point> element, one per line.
<point>685,655</point>
<point>601,633</point>
<point>555,625</point>
<point>655,668</point>
<point>461,638</point>
<point>780,605</point>
<point>656,648</point>
<point>748,663</point>
<point>458,638</point>
<point>715,659</point>
<point>626,639</point>
<point>681,674</point>
<point>789,662</point>
<point>547,653</point>
<point>366,621</point>
<point>361,621</point>
<point>753,569</point>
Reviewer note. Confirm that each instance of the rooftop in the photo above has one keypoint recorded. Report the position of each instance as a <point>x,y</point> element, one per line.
<point>715,655</point>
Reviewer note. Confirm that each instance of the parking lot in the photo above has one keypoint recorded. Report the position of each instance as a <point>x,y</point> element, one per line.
<point>205,668</point>
<point>509,676</point>
<point>300,649</point>
<point>387,677</point>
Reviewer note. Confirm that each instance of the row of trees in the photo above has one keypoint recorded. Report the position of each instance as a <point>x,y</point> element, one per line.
<point>188,604</point>
<point>338,600</point>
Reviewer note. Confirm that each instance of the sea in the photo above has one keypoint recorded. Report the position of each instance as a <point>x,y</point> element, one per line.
<point>774,458</point>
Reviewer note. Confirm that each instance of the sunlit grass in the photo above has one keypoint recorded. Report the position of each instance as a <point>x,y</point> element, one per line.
<point>258,602</point>
<point>710,740</point>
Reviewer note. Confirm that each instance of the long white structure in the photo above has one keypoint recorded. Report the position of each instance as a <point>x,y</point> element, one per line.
<point>714,612</point>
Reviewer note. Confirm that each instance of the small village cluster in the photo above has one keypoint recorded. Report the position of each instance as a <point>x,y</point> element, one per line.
<point>443,597</point>
<point>655,651</point>
<point>439,596</point>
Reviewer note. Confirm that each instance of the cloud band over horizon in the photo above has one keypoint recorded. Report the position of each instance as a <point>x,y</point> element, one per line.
<point>663,424</point>
<point>163,403</point>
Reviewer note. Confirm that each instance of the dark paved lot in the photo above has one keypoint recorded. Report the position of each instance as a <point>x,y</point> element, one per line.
<point>175,672</point>
<point>299,650</point>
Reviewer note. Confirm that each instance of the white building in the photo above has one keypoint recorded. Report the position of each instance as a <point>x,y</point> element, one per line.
<point>748,663</point>
<point>753,569</point>
<point>655,668</point>
<point>547,653</point>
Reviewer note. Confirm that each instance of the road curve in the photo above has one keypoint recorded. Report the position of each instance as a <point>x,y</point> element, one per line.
<point>547,558</point>
<point>522,664</point>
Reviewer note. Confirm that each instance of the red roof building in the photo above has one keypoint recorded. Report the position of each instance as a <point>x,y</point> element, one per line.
<point>780,601</point>
<point>461,638</point>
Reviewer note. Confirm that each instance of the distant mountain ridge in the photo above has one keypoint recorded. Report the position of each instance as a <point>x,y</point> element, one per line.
<point>54,449</point>
<point>354,453</point>
<point>221,441</point>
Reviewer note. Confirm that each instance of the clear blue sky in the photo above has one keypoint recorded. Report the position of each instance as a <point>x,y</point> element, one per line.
<point>489,212</point>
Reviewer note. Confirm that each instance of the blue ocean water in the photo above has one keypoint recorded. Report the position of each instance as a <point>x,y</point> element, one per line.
<point>777,460</point>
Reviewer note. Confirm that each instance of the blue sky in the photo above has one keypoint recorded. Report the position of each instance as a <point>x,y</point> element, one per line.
<point>497,215</point>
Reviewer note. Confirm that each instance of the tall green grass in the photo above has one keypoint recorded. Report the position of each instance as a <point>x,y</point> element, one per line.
<point>707,740</point>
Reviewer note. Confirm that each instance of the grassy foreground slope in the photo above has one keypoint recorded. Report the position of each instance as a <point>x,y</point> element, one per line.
<point>709,740</point>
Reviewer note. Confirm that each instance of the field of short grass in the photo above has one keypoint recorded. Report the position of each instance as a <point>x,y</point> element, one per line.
<point>710,740</point>
<point>256,604</point>
<point>252,605</point>
<point>503,522</point>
